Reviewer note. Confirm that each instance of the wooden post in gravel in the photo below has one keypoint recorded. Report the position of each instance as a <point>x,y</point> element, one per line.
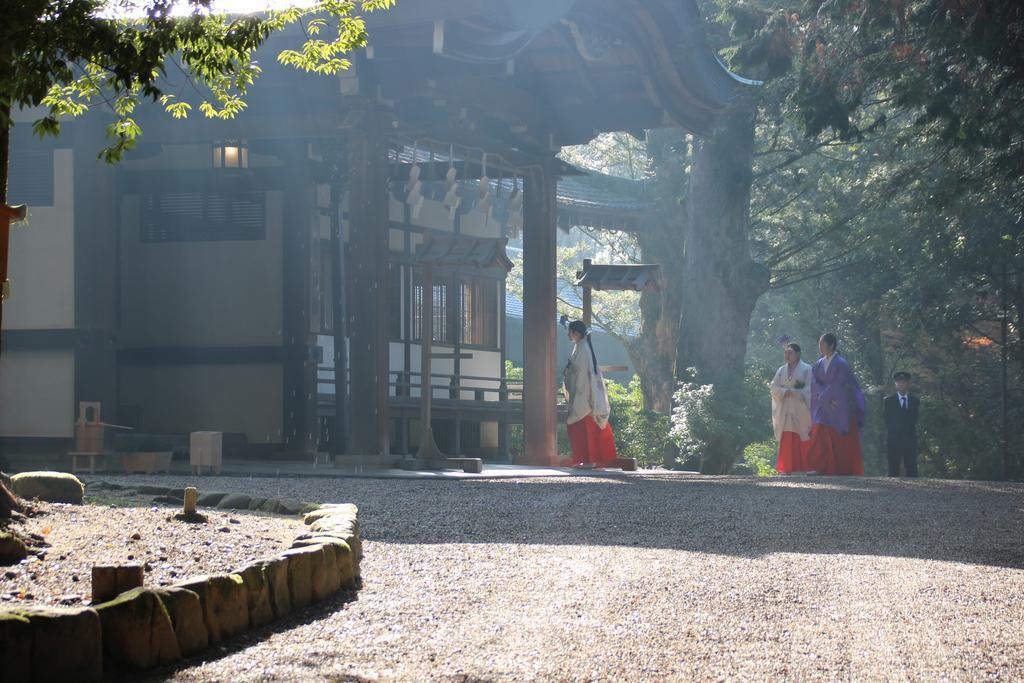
<point>191,499</point>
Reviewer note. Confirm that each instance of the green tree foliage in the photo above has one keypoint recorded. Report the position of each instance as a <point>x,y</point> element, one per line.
<point>759,457</point>
<point>639,433</point>
<point>885,202</point>
<point>712,424</point>
<point>956,65</point>
<point>66,55</point>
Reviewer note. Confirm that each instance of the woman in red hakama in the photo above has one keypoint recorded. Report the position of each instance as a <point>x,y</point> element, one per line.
<point>590,434</point>
<point>837,408</point>
<point>835,454</point>
<point>791,410</point>
<point>792,454</point>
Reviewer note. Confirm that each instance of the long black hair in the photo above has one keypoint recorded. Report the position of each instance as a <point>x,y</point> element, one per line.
<point>831,341</point>
<point>580,328</point>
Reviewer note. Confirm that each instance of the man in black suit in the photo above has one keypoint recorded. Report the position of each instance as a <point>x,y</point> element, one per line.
<point>901,411</point>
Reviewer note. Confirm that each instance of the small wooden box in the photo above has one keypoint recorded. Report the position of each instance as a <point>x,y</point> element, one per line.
<point>89,428</point>
<point>206,450</point>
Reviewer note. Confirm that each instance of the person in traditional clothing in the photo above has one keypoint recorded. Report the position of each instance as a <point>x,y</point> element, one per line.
<point>901,411</point>
<point>791,411</point>
<point>837,411</point>
<point>590,435</point>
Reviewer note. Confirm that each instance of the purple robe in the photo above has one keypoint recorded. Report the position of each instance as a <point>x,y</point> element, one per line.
<point>834,394</point>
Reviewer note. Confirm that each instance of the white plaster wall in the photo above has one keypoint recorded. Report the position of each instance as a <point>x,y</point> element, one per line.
<point>396,209</point>
<point>434,214</point>
<point>396,361</point>
<point>227,398</point>
<point>41,262</point>
<point>396,240</point>
<point>474,223</point>
<point>437,366</point>
<point>482,364</point>
<point>489,435</point>
<point>201,293</point>
<point>37,390</point>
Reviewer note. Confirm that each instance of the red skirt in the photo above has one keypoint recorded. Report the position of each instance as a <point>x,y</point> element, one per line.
<point>590,443</point>
<point>792,453</point>
<point>833,453</point>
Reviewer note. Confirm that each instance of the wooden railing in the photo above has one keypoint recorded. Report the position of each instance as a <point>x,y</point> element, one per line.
<point>404,381</point>
<point>453,386</point>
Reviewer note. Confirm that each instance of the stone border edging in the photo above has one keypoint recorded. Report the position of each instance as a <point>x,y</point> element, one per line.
<point>147,627</point>
<point>221,500</point>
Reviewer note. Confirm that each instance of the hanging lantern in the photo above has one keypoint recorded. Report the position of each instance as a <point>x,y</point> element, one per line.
<point>451,186</point>
<point>515,209</point>
<point>231,154</point>
<point>414,196</point>
<point>483,192</point>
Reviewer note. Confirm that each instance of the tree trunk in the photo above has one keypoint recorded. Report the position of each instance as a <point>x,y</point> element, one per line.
<point>5,149</point>
<point>8,501</point>
<point>661,242</point>
<point>867,320</point>
<point>721,283</point>
<point>653,352</point>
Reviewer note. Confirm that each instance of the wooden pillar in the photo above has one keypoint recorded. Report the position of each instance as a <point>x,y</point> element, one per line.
<point>339,314</point>
<point>97,254</point>
<point>588,303</point>
<point>427,449</point>
<point>368,315</point>
<point>539,325</point>
<point>300,419</point>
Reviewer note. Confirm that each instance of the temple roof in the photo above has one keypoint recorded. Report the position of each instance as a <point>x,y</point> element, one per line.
<point>620,277</point>
<point>518,80</point>
<point>460,251</point>
<point>603,202</point>
<point>539,74</point>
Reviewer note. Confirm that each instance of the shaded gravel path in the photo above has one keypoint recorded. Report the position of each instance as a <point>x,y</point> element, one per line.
<point>656,576</point>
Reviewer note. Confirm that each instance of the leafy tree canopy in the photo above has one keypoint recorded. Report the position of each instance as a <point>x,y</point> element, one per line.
<point>64,55</point>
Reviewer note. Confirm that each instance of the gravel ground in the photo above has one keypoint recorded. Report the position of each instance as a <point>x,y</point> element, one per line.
<point>80,536</point>
<point>655,576</point>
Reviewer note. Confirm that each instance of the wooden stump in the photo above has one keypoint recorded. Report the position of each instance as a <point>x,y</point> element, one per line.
<point>110,581</point>
<point>191,497</point>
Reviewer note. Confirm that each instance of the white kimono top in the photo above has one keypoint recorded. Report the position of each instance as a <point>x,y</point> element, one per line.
<point>585,390</point>
<point>791,412</point>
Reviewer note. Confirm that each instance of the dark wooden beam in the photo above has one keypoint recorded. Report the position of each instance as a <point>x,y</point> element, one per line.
<point>338,177</point>
<point>299,400</point>
<point>471,170</point>
<point>539,327</point>
<point>203,355</point>
<point>368,316</point>
<point>97,254</point>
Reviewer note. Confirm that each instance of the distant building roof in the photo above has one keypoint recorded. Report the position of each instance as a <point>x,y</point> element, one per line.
<point>460,251</point>
<point>603,202</point>
<point>618,277</point>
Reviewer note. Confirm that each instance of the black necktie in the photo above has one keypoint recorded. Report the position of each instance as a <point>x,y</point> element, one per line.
<point>903,402</point>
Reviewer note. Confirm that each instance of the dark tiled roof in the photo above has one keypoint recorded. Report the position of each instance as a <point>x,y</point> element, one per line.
<point>635,277</point>
<point>457,251</point>
<point>601,201</point>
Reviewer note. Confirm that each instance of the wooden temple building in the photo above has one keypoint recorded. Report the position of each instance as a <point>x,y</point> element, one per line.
<point>262,277</point>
